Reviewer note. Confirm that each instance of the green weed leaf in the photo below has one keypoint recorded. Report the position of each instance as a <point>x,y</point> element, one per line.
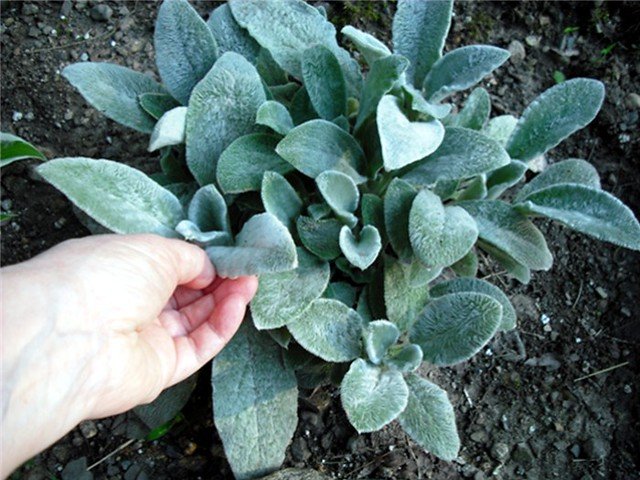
<point>14,148</point>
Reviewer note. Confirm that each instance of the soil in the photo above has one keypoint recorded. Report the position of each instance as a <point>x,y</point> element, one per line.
<point>523,405</point>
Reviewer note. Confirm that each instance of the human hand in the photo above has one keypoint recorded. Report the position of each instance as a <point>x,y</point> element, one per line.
<point>96,326</point>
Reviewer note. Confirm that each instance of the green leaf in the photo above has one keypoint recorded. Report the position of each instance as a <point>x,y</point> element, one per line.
<point>502,226</point>
<point>185,48</point>
<point>287,28</point>
<point>114,91</point>
<point>439,235</point>
<point>208,210</point>
<point>341,291</point>
<point>382,77</point>
<point>264,245</point>
<point>230,37</point>
<point>318,145</point>
<point>500,128</point>
<point>420,105</point>
<point>167,405</point>
<point>404,358</point>
<point>271,73</point>
<point>454,327</point>
<point>404,142</point>
<point>183,191</point>
<point>379,336</point>
<point>324,82</point>
<point>282,297</point>
<point>320,237</point>
<point>274,115</point>
<point>119,197</point>
<point>419,30</point>
<point>593,212</point>
<point>476,189</point>
<point>249,394</point>
<point>520,272</point>
<point>14,148</point>
<point>319,211</point>
<point>330,330</point>
<point>192,233</point>
<point>372,209</point>
<point>372,397</point>
<point>504,178</point>
<point>429,419</point>
<point>169,130</point>
<point>572,170</point>
<point>222,107</point>
<point>280,199</point>
<point>462,68</point>
<point>343,123</point>
<point>462,154</point>
<point>341,194</point>
<point>476,285</point>
<point>476,111</point>
<point>467,266</point>
<point>553,116</point>
<point>403,299</point>
<point>369,46</point>
<point>157,104</point>
<point>301,108</point>
<point>397,204</point>
<point>281,336</point>
<point>242,164</point>
<point>363,250</point>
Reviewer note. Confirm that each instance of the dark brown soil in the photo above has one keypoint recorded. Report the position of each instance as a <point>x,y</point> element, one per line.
<point>522,410</point>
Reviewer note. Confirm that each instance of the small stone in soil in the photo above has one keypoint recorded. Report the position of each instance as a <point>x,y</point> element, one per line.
<point>522,454</point>
<point>29,9</point>
<point>65,9</point>
<point>101,13</point>
<point>633,100</point>
<point>479,436</point>
<point>88,429</point>
<point>575,450</point>
<point>517,51</point>
<point>500,452</point>
<point>596,448</point>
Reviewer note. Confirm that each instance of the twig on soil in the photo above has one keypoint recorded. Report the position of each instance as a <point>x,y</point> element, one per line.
<point>466,394</point>
<point>604,370</point>
<point>573,307</point>
<point>348,475</point>
<point>108,456</point>
<point>413,455</point>
<point>537,335</point>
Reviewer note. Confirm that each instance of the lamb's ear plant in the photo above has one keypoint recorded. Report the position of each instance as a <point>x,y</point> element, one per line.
<point>362,200</point>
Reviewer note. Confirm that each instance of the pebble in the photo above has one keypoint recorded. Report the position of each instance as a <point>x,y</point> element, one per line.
<point>34,32</point>
<point>596,448</point>
<point>602,292</point>
<point>17,116</point>
<point>9,21</point>
<point>533,41</point>
<point>500,452</point>
<point>88,429</point>
<point>479,436</point>
<point>29,9</point>
<point>65,9</point>
<point>633,100</point>
<point>84,57</point>
<point>517,51</point>
<point>522,454</point>
<point>575,450</point>
<point>101,12</point>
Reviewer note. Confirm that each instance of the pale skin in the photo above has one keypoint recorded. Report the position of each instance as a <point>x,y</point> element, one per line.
<point>95,326</point>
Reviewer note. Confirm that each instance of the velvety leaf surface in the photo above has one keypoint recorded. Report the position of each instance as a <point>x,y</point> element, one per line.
<point>342,291</point>
<point>462,154</point>
<point>372,397</point>
<point>264,245</point>
<point>192,233</point>
<point>255,403</point>
<point>502,226</point>
<point>429,419</point>
<point>208,210</point>
<point>274,115</point>
<point>318,145</point>
<point>372,210</point>
<point>222,107</point>
<point>229,36</point>
<point>553,116</point>
<point>380,80</point>
<point>242,164</point>
<point>420,105</point>
<point>479,286</point>
<point>361,251</point>
<point>378,336</point>
<point>114,91</point>
<point>169,130</point>
<point>467,266</point>
<point>369,46</point>
<point>404,142</point>
<point>14,148</point>
<point>476,111</point>
<point>593,212</point>
<point>404,358</point>
<point>462,68</point>
<point>321,237</point>
<point>341,194</point>
<point>454,327</point>
<point>280,199</point>
<point>282,297</point>
<point>572,170</point>
<point>301,108</point>
<point>419,31</point>
<point>319,211</point>
<point>475,190</point>
<point>504,178</point>
<point>330,330</point>
<point>439,235</point>
<point>403,299</point>
<point>324,82</point>
<point>157,104</point>
<point>118,197</point>
<point>397,204</point>
<point>185,48</point>
<point>500,128</point>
